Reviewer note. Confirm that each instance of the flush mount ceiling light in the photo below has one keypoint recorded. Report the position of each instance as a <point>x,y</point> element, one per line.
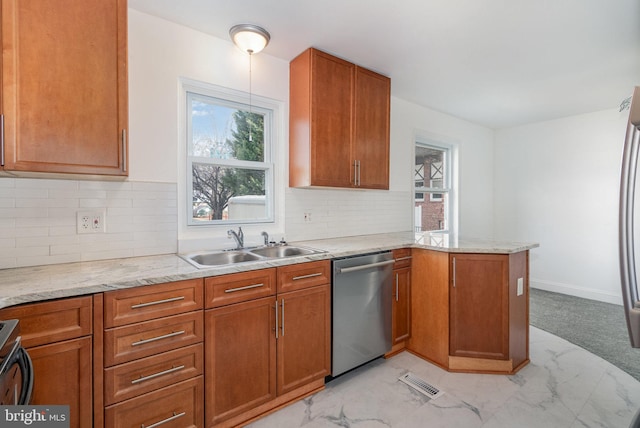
<point>249,38</point>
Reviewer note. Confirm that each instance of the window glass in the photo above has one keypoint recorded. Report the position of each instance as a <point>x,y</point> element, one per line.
<point>431,184</point>
<point>228,158</point>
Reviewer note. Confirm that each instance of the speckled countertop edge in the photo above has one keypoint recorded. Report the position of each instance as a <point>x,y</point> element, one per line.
<point>38,283</point>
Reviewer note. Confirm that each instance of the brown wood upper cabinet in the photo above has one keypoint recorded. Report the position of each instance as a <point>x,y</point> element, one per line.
<point>64,86</point>
<point>338,123</point>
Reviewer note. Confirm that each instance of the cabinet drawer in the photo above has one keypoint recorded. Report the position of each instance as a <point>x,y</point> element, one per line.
<point>177,406</point>
<point>239,287</point>
<point>402,257</point>
<point>153,301</point>
<point>122,344</point>
<point>52,321</point>
<point>135,378</point>
<point>303,275</point>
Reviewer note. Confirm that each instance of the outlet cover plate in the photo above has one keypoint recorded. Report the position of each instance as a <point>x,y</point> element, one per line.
<point>90,222</point>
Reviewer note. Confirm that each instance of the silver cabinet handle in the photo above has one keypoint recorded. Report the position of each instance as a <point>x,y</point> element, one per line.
<point>311,275</point>
<point>246,287</point>
<point>282,321</point>
<point>155,375</point>
<point>396,287</point>
<point>358,183</point>
<point>454,272</point>
<point>362,267</point>
<point>153,339</point>
<point>401,259</point>
<point>276,319</point>
<point>124,150</point>
<point>164,421</point>
<point>355,172</point>
<point>157,302</point>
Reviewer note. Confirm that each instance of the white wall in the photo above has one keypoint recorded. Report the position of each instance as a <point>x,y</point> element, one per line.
<point>162,52</point>
<point>556,183</point>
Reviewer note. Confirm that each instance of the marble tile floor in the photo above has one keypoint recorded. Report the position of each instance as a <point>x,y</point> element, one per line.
<point>562,386</point>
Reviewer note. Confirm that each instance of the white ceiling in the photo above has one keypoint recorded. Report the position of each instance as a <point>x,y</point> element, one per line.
<point>498,63</point>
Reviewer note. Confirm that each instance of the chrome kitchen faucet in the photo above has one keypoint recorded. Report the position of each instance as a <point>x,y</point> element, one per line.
<point>239,237</point>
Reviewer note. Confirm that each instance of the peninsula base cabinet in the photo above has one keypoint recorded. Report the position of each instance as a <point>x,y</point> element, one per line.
<point>471,311</point>
<point>263,353</point>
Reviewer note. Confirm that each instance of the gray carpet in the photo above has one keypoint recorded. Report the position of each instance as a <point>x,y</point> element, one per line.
<point>598,327</point>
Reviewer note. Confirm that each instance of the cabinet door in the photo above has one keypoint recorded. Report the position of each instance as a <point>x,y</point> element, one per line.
<point>371,137</point>
<point>401,320</point>
<point>63,375</point>
<point>64,85</point>
<point>304,337</point>
<point>240,358</point>
<point>479,306</point>
<point>320,120</point>
<point>331,120</point>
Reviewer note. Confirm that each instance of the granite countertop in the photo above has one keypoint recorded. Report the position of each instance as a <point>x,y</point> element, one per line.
<point>37,283</point>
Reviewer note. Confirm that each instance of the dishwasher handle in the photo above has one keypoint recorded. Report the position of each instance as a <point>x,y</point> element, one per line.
<point>363,267</point>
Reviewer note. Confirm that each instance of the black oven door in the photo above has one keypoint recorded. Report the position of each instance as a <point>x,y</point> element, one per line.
<point>16,376</point>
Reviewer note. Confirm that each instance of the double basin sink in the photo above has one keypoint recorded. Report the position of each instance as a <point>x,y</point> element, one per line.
<point>206,259</point>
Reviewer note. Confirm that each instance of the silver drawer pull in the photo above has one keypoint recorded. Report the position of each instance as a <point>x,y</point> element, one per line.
<point>155,375</point>
<point>246,287</point>
<point>311,275</point>
<point>401,259</point>
<point>164,421</point>
<point>153,339</point>
<point>157,302</point>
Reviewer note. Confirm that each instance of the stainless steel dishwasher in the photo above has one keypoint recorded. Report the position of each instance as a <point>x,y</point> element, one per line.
<point>361,300</point>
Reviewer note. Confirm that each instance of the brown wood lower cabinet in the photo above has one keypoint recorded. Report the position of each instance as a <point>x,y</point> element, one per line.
<point>479,327</point>
<point>62,375</point>
<point>266,352</point>
<point>401,320</point>
<point>470,312</point>
<point>304,340</point>
<point>176,406</point>
<point>57,336</point>
<point>240,354</point>
<point>150,368</point>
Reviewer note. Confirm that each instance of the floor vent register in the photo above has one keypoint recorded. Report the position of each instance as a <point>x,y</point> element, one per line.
<point>420,385</point>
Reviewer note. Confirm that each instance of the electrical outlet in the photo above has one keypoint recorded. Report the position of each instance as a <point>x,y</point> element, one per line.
<point>307,217</point>
<point>91,222</point>
<point>520,288</point>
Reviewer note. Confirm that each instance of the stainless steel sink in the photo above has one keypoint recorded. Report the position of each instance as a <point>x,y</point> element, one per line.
<point>207,259</point>
<point>220,258</point>
<point>280,251</point>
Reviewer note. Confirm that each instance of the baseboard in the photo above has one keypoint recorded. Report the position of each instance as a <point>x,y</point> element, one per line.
<point>572,290</point>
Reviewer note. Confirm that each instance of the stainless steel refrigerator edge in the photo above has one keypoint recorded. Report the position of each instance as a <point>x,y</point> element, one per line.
<point>361,300</point>
<point>626,231</point>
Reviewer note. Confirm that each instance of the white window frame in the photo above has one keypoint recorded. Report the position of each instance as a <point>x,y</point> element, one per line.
<point>235,99</point>
<point>447,179</point>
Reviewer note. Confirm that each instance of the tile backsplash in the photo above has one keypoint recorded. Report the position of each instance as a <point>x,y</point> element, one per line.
<point>334,213</point>
<point>38,220</point>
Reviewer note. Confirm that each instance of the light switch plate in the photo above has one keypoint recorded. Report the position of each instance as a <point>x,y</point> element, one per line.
<point>520,290</point>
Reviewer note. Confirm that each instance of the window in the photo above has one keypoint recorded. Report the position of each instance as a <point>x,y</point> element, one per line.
<point>229,167</point>
<point>432,177</point>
